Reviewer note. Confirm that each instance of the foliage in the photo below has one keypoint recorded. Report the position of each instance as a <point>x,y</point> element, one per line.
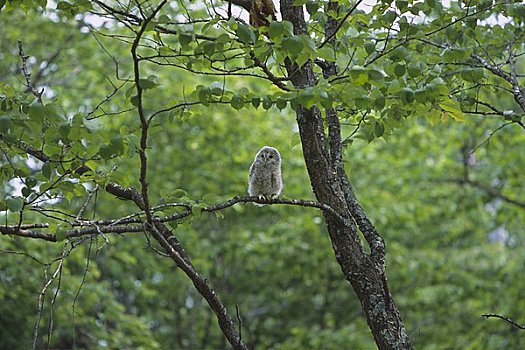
<point>432,134</point>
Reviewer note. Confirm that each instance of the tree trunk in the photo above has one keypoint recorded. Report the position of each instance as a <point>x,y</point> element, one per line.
<point>365,272</point>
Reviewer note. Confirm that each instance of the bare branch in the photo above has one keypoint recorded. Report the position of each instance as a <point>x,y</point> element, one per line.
<point>142,115</point>
<point>493,192</point>
<point>515,324</point>
<point>122,225</point>
<point>42,295</point>
<point>29,84</point>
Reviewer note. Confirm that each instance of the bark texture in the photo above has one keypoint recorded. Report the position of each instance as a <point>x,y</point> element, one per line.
<point>323,156</point>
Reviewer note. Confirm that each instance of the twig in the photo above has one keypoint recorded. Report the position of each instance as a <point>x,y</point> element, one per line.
<point>122,225</point>
<point>459,19</point>
<point>140,108</point>
<point>518,92</point>
<point>86,269</point>
<point>329,37</point>
<point>27,75</point>
<point>487,189</point>
<point>86,202</point>
<point>51,310</point>
<point>515,324</point>
<point>239,319</point>
<point>277,81</point>
<point>43,294</point>
<point>24,254</point>
<point>346,140</point>
<point>492,133</point>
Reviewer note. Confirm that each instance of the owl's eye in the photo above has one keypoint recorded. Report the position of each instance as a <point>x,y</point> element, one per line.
<point>270,156</point>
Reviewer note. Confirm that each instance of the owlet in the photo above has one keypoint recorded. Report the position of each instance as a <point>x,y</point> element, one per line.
<point>264,179</point>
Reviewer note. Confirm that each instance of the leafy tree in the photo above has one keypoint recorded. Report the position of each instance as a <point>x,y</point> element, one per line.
<point>149,101</point>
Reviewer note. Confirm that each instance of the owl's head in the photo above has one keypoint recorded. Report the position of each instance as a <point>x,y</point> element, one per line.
<point>268,155</point>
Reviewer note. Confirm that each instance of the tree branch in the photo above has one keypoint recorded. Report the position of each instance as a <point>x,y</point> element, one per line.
<point>515,324</point>
<point>122,225</point>
<point>25,71</point>
<point>485,188</point>
<point>518,92</point>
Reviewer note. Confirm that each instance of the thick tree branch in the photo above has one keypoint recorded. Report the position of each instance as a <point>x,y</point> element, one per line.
<point>245,4</point>
<point>160,232</point>
<point>123,225</point>
<point>140,108</point>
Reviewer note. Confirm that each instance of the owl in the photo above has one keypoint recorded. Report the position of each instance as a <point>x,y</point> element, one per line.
<point>264,179</point>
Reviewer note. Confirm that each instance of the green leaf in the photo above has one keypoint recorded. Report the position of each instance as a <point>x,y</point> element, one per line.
<point>237,102</point>
<point>245,34</point>
<point>31,182</point>
<point>5,123</point>
<point>134,100</point>
<point>312,7</point>
<point>414,69</point>
<point>173,224</point>
<point>276,30</point>
<point>63,6</point>
<point>399,53</point>
<point>196,210</point>
<point>407,95</point>
<point>379,129</point>
<point>370,47</point>
<point>326,53</point>
<point>179,193</point>
<point>472,74</point>
<point>26,191</point>
<point>433,116</point>
<point>147,84</point>
<point>376,75</point>
<point>380,102</point>
<point>293,45</point>
<point>399,69</point>
<point>209,48</point>
<point>163,19</point>
<point>46,170</point>
<point>359,75</point>
<point>15,204</point>
<point>453,107</point>
<point>267,103</point>
<point>389,17</point>
<point>295,140</point>
<point>256,101</point>
<point>185,38</point>
<point>281,103</point>
<point>114,148</point>
<point>63,130</point>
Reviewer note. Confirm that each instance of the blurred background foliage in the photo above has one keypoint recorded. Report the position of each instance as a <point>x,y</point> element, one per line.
<point>454,251</point>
